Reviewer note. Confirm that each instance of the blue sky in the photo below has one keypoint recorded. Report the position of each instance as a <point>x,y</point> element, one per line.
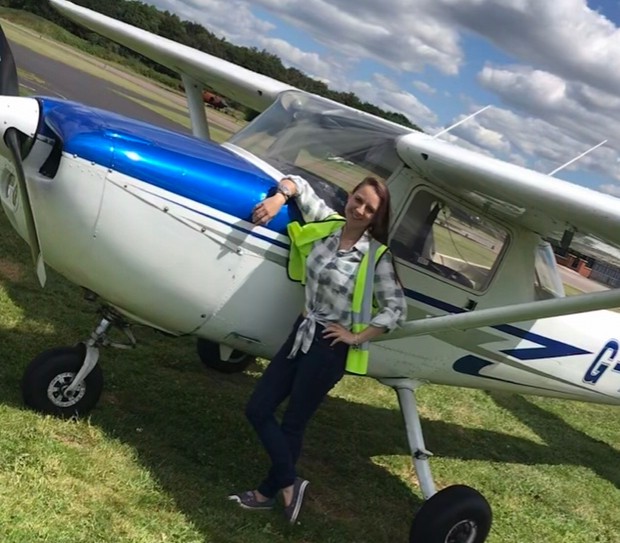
<point>550,69</point>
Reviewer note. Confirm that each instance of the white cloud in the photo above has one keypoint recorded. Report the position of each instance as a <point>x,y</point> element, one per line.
<point>424,87</point>
<point>525,85</point>
<point>614,190</point>
<point>563,37</point>
<point>232,19</point>
<point>386,94</point>
<point>402,34</point>
<point>571,117</point>
<point>563,76</point>
<point>309,63</point>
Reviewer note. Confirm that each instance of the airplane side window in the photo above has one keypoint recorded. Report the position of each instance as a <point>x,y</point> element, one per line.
<point>451,242</point>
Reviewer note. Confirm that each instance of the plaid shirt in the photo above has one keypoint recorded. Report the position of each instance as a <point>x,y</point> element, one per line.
<point>330,277</point>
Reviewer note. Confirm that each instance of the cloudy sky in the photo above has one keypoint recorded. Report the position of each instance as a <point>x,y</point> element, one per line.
<point>549,69</point>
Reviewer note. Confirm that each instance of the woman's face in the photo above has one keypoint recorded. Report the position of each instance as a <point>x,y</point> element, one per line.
<point>361,207</point>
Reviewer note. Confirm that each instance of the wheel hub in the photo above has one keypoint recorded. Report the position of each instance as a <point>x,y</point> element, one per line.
<point>57,390</point>
<point>463,532</point>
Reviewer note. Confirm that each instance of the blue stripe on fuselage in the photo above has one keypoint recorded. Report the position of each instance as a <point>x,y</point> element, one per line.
<point>548,348</point>
<point>199,170</point>
<point>209,174</point>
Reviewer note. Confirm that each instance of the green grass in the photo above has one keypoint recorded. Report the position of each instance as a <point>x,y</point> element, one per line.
<point>168,441</point>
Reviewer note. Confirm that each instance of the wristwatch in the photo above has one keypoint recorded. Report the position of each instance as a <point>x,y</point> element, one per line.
<point>284,191</point>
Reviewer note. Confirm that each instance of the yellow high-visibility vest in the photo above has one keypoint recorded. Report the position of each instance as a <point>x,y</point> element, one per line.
<point>302,240</point>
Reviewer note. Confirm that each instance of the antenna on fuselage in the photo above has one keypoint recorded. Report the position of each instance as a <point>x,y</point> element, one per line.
<point>460,122</point>
<point>577,158</point>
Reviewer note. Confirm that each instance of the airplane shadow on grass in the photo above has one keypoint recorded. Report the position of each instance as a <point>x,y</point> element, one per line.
<point>188,428</point>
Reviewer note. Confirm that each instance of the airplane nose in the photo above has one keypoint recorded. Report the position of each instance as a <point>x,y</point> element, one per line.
<point>19,113</point>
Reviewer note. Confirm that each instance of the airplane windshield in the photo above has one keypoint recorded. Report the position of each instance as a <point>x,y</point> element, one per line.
<point>548,282</point>
<point>302,134</point>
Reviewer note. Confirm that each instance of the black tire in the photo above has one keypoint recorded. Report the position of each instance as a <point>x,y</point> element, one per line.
<point>52,371</point>
<point>209,354</point>
<point>457,514</point>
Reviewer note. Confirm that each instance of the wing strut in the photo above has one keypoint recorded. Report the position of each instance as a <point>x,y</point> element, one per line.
<point>512,313</point>
<point>193,91</point>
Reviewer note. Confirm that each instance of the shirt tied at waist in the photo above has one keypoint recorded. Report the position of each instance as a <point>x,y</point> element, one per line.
<point>305,335</point>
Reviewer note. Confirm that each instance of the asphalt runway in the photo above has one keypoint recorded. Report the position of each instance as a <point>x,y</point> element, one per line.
<point>61,80</point>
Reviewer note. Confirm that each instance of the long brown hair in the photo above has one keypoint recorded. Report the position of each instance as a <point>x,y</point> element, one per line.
<point>380,225</point>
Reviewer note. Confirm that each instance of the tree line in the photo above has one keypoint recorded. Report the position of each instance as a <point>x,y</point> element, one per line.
<point>169,25</point>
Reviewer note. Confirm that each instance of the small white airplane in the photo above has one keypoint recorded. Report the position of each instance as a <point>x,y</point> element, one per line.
<point>156,225</point>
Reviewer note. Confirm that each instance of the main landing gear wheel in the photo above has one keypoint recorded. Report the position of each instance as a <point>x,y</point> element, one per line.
<point>45,382</point>
<point>209,354</point>
<point>457,514</point>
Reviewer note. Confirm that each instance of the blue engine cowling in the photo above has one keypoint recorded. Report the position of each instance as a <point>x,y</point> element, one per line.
<point>199,170</point>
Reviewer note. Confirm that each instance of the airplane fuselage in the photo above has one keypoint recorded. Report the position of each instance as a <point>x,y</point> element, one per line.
<point>157,224</point>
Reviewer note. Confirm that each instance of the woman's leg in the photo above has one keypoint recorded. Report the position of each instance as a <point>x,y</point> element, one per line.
<point>318,372</point>
<point>307,379</point>
<point>271,390</point>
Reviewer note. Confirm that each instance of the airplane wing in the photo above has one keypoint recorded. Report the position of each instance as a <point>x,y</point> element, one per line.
<point>537,201</point>
<point>244,86</point>
<point>544,204</point>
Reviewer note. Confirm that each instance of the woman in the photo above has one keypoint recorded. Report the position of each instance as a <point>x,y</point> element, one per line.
<point>313,358</point>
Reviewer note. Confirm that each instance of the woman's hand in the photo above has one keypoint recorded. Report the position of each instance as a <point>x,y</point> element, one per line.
<point>339,334</point>
<point>267,209</point>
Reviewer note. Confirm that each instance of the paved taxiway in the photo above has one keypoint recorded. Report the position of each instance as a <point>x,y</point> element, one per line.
<point>54,78</point>
<point>48,77</point>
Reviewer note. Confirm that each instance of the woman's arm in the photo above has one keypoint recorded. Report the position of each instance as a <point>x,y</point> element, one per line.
<point>392,307</point>
<point>389,295</point>
<point>339,334</point>
<point>312,207</point>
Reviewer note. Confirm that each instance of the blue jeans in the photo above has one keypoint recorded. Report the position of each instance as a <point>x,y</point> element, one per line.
<point>306,380</point>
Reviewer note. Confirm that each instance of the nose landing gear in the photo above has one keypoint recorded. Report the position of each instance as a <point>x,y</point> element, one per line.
<point>67,381</point>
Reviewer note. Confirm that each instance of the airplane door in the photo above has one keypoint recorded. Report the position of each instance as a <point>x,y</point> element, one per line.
<point>446,254</point>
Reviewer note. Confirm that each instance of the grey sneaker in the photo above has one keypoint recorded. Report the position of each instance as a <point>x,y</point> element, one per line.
<point>247,500</point>
<point>292,510</point>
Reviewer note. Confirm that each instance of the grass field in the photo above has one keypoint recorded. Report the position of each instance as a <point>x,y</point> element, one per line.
<point>168,441</point>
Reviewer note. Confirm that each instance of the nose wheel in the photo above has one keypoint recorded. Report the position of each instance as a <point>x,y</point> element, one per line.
<point>46,383</point>
<point>68,381</point>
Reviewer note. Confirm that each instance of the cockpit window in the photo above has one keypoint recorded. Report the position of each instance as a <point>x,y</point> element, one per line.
<point>324,142</point>
<point>449,241</point>
<point>547,283</point>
